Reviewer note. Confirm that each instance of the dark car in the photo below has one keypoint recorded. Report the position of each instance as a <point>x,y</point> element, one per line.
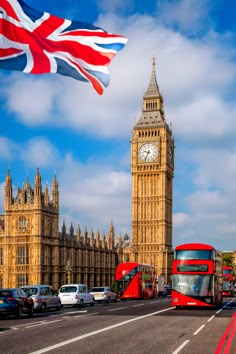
<point>14,301</point>
<point>168,289</point>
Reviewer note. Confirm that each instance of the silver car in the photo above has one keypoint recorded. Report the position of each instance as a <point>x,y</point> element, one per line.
<point>75,295</point>
<point>103,293</point>
<point>44,297</point>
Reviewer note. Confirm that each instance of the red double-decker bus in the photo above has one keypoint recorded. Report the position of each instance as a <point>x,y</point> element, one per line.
<point>228,281</point>
<point>196,276</point>
<point>135,281</point>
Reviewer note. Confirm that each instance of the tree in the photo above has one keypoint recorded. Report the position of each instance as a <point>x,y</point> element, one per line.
<point>228,259</point>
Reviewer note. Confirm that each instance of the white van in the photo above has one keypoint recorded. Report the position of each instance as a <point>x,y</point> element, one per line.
<point>75,295</point>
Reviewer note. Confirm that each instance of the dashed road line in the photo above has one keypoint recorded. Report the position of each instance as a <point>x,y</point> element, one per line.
<point>119,308</point>
<point>181,347</point>
<point>198,330</point>
<point>211,318</point>
<point>44,323</point>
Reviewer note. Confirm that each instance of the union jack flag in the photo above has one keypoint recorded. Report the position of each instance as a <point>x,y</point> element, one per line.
<point>38,42</point>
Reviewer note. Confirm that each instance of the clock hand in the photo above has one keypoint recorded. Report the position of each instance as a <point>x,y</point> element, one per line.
<point>147,153</point>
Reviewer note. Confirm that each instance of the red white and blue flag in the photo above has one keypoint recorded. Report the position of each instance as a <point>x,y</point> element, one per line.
<point>37,42</point>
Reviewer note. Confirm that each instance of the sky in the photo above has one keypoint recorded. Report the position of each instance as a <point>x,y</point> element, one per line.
<point>62,126</point>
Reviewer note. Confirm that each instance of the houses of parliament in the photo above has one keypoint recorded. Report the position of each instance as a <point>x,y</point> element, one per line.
<point>34,251</point>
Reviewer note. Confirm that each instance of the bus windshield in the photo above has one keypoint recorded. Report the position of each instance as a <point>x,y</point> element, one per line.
<point>227,271</point>
<point>192,285</point>
<point>193,254</point>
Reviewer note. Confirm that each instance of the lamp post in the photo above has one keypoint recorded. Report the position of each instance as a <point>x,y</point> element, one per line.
<point>68,269</point>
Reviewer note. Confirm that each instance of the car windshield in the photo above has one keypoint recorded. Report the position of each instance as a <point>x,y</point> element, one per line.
<point>30,291</point>
<point>97,290</point>
<point>68,289</point>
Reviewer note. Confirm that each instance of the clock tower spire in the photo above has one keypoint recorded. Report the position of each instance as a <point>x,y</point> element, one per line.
<point>152,110</point>
<point>152,169</point>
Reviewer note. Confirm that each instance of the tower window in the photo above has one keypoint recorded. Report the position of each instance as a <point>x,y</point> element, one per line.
<point>22,255</point>
<point>22,223</point>
<point>22,279</point>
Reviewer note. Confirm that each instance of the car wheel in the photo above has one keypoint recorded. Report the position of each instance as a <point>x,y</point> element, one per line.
<point>58,307</point>
<point>81,303</point>
<point>31,310</point>
<point>43,308</point>
<point>19,312</point>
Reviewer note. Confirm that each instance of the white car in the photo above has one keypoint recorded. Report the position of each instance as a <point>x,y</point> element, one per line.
<point>75,295</point>
<point>103,293</point>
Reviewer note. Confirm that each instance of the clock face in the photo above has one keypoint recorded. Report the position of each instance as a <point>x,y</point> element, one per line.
<point>148,152</point>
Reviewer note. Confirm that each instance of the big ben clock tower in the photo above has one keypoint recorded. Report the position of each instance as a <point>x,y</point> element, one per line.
<point>152,169</point>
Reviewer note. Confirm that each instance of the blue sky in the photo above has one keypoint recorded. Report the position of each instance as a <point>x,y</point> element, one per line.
<point>63,125</point>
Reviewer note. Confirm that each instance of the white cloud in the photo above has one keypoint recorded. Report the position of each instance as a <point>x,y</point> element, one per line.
<point>204,118</point>
<point>31,99</point>
<point>186,15</point>
<point>39,152</point>
<point>7,148</point>
<point>95,193</point>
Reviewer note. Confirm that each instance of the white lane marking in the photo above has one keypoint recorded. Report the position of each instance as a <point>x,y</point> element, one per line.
<point>88,314</point>
<point>211,318</point>
<point>73,312</point>
<point>43,323</point>
<point>154,302</point>
<point>58,345</point>
<point>181,347</point>
<point>23,325</point>
<point>119,308</point>
<point>198,330</point>
<point>137,305</point>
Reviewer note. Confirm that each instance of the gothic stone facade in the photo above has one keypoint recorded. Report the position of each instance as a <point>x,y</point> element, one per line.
<point>32,251</point>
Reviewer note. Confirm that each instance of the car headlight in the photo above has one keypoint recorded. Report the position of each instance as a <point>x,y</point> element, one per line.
<point>208,300</point>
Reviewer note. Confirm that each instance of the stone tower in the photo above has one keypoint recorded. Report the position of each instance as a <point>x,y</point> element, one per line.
<point>31,247</point>
<point>152,169</point>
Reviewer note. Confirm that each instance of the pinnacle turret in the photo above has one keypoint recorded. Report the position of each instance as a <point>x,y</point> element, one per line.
<point>55,193</point>
<point>8,190</point>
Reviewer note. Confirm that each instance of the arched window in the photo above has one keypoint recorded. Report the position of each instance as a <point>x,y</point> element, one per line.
<point>22,255</point>
<point>22,223</point>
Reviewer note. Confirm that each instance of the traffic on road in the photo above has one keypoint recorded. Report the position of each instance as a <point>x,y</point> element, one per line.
<point>125,326</point>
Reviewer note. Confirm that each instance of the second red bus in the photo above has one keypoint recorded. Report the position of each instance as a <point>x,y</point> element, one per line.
<point>135,281</point>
